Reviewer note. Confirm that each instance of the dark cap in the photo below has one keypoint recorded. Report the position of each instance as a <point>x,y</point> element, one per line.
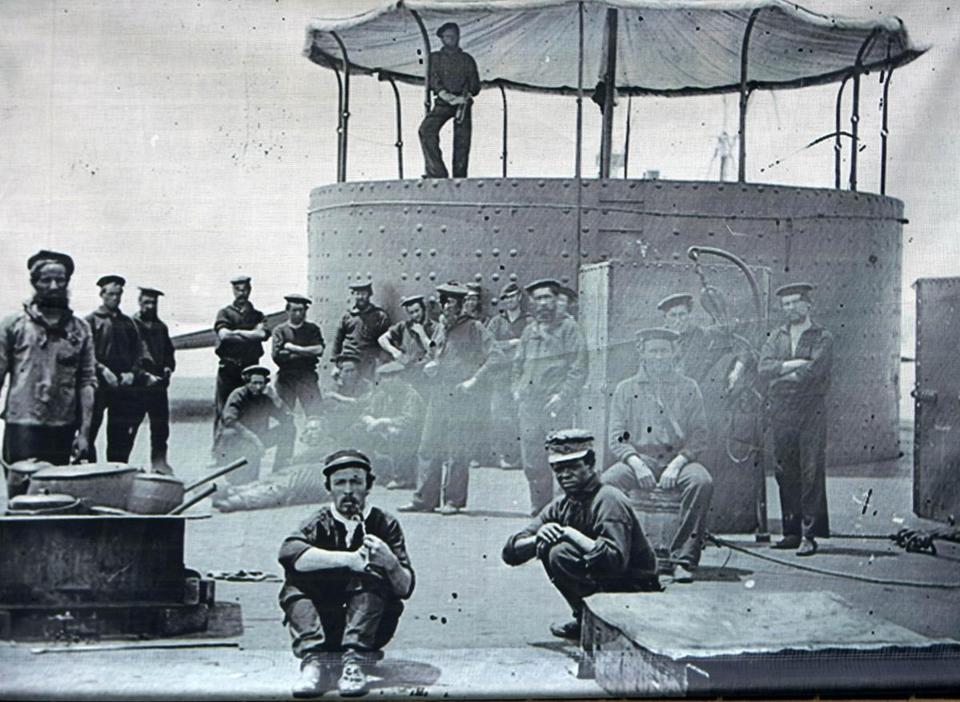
<point>346,356</point>
<point>347,458</point>
<point>45,256</point>
<point>150,292</point>
<point>298,299</point>
<point>112,278</point>
<point>568,445</point>
<point>802,289</point>
<point>569,292</point>
<point>448,25</point>
<point>452,290</point>
<point>509,289</point>
<point>239,279</point>
<point>657,333</point>
<point>544,283</point>
<point>671,301</point>
<point>256,370</point>
<point>411,300</point>
<point>361,286</point>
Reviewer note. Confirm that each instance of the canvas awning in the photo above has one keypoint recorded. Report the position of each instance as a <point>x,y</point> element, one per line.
<point>664,47</point>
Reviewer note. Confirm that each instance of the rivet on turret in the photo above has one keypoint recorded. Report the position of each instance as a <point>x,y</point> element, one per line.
<point>513,277</point>
<point>403,252</point>
<point>478,253</point>
<point>495,252</point>
<point>432,275</point>
<point>418,252</point>
<point>478,276</point>
<point>513,252</point>
<point>433,252</point>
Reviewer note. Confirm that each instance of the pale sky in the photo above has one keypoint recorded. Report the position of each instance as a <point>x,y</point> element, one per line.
<point>175,142</point>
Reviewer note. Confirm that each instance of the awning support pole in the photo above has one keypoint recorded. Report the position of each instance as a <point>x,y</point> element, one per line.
<point>837,146</point>
<point>578,160</point>
<point>626,140</point>
<point>399,142</point>
<point>336,72</point>
<point>855,109</point>
<point>503,149</point>
<point>744,97</point>
<point>885,131</point>
<point>609,94</point>
<point>426,61</point>
<point>344,111</point>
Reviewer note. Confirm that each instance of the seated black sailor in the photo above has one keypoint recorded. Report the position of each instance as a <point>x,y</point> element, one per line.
<point>588,539</point>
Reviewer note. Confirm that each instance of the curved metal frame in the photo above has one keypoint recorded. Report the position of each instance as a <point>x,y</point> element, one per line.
<point>503,148</point>
<point>744,97</point>
<point>837,145</point>
<point>885,130</point>
<point>855,109</point>
<point>336,72</point>
<point>399,142</point>
<point>426,62</point>
<point>344,112</point>
<point>626,140</point>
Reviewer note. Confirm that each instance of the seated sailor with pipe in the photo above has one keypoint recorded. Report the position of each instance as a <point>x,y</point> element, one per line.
<point>346,575</point>
<point>589,539</point>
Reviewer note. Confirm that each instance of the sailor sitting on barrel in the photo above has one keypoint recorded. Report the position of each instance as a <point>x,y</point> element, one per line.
<point>657,431</point>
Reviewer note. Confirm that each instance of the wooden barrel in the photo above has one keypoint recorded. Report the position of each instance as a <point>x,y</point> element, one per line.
<point>658,512</point>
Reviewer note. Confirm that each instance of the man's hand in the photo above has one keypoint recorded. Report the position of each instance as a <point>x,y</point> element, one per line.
<point>668,479</point>
<point>81,446</point>
<point>357,560</point>
<point>262,328</point>
<point>792,365</point>
<point>551,533</point>
<point>126,379</point>
<point>109,377</point>
<point>644,475</point>
<point>379,554</point>
<point>150,379</point>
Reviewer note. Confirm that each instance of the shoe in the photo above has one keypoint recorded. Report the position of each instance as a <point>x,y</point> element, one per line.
<point>682,575</point>
<point>393,485</point>
<point>506,465</point>
<point>353,681</point>
<point>448,510</point>
<point>162,468</point>
<point>566,630</point>
<point>314,679</point>
<point>808,547</point>
<point>473,464</point>
<point>414,507</point>
<point>787,543</point>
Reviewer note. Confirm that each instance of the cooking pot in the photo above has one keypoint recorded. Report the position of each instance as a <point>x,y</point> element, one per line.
<point>153,493</point>
<point>18,475</point>
<point>107,484</point>
<point>42,505</point>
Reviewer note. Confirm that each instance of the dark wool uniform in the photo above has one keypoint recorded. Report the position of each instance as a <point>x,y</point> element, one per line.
<point>455,71</point>
<point>117,345</point>
<point>359,334</point>
<point>254,413</point>
<point>235,354</point>
<point>465,352</point>
<point>621,561</point>
<point>656,421</point>
<point>552,359</point>
<point>503,410</point>
<point>296,373</point>
<point>48,365</point>
<point>797,410</point>
<point>153,400</point>
<point>396,440</point>
<point>338,610</point>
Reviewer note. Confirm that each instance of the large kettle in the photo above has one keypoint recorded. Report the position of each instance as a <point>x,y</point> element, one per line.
<point>153,493</point>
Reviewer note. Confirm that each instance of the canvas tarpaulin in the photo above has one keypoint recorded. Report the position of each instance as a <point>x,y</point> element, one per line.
<point>665,47</point>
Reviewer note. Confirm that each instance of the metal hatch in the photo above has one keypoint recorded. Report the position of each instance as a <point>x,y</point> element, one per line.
<point>936,457</point>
